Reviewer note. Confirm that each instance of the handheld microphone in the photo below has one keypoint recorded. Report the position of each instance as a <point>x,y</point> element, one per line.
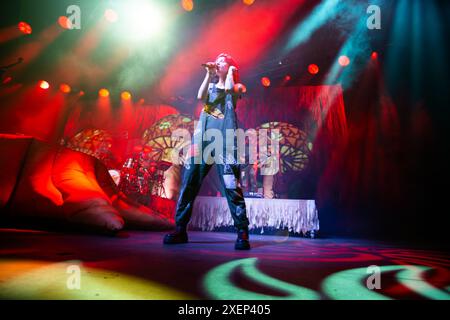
<point>209,65</point>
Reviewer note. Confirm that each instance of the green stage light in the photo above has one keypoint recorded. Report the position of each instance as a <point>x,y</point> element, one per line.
<point>219,285</point>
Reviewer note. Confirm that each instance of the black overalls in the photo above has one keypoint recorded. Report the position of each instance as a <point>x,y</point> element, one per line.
<point>218,113</point>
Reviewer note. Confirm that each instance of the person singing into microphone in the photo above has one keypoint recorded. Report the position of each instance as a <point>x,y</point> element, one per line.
<point>219,91</point>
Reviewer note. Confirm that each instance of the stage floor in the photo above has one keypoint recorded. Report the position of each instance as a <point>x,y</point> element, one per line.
<point>136,265</point>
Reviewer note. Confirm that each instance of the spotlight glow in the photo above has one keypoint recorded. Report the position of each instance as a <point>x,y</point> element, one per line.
<point>125,95</point>
<point>65,88</point>
<point>103,93</point>
<point>313,69</point>
<point>248,2</point>
<point>143,20</point>
<point>7,80</point>
<point>64,22</point>
<point>239,88</point>
<point>187,5</point>
<point>25,28</point>
<point>44,85</point>
<point>374,55</point>
<point>265,81</point>
<point>344,61</point>
<point>111,15</point>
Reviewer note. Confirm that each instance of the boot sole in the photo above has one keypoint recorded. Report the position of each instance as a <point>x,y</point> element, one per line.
<point>245,247</point>
<point>169,240</point>
<point>175,242</point>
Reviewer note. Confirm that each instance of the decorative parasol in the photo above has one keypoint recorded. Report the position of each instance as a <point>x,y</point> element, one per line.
<point>159,136</point>
<point>295,148</point>
<point>94,142</point>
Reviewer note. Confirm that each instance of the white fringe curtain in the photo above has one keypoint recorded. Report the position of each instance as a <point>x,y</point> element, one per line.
<point>298,216</point>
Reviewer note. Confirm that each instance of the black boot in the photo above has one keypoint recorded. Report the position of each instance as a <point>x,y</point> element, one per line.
<point>179,236</point>
<point>242,241</point>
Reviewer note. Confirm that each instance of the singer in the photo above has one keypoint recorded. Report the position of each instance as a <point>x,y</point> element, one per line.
<point>220,91</point>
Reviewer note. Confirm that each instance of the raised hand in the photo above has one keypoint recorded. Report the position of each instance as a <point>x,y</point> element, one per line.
<point>211,67</point>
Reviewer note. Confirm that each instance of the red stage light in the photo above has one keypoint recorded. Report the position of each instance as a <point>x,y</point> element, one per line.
<point>7,80</point>
<point>65,88</point>
<point>44,85</point>
<point>287,78</point>
<point>64,22</point>
<point>81,93</point>
<point>374,55</point>
<point>111,15</point>
<point>265,81</point>
<point>248,2</point>
<point>25,28</point>
<point>239,88</point>
<point>187,5</point>
<point>125,95</point>
<point>344,61</point>
<point>103,93</point>
<point>313,69</point>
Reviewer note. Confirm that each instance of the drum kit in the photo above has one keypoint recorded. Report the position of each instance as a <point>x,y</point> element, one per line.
<point>141,178</point>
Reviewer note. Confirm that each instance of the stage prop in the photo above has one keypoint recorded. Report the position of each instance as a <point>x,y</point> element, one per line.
<point>94,142</point>
<point>311,121</point>
<point>294,150</point>
<point>120,130</point>
<point>41,182</point>
<point>159,139</point>
<point>313,127</point>
<point>298,216</point>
